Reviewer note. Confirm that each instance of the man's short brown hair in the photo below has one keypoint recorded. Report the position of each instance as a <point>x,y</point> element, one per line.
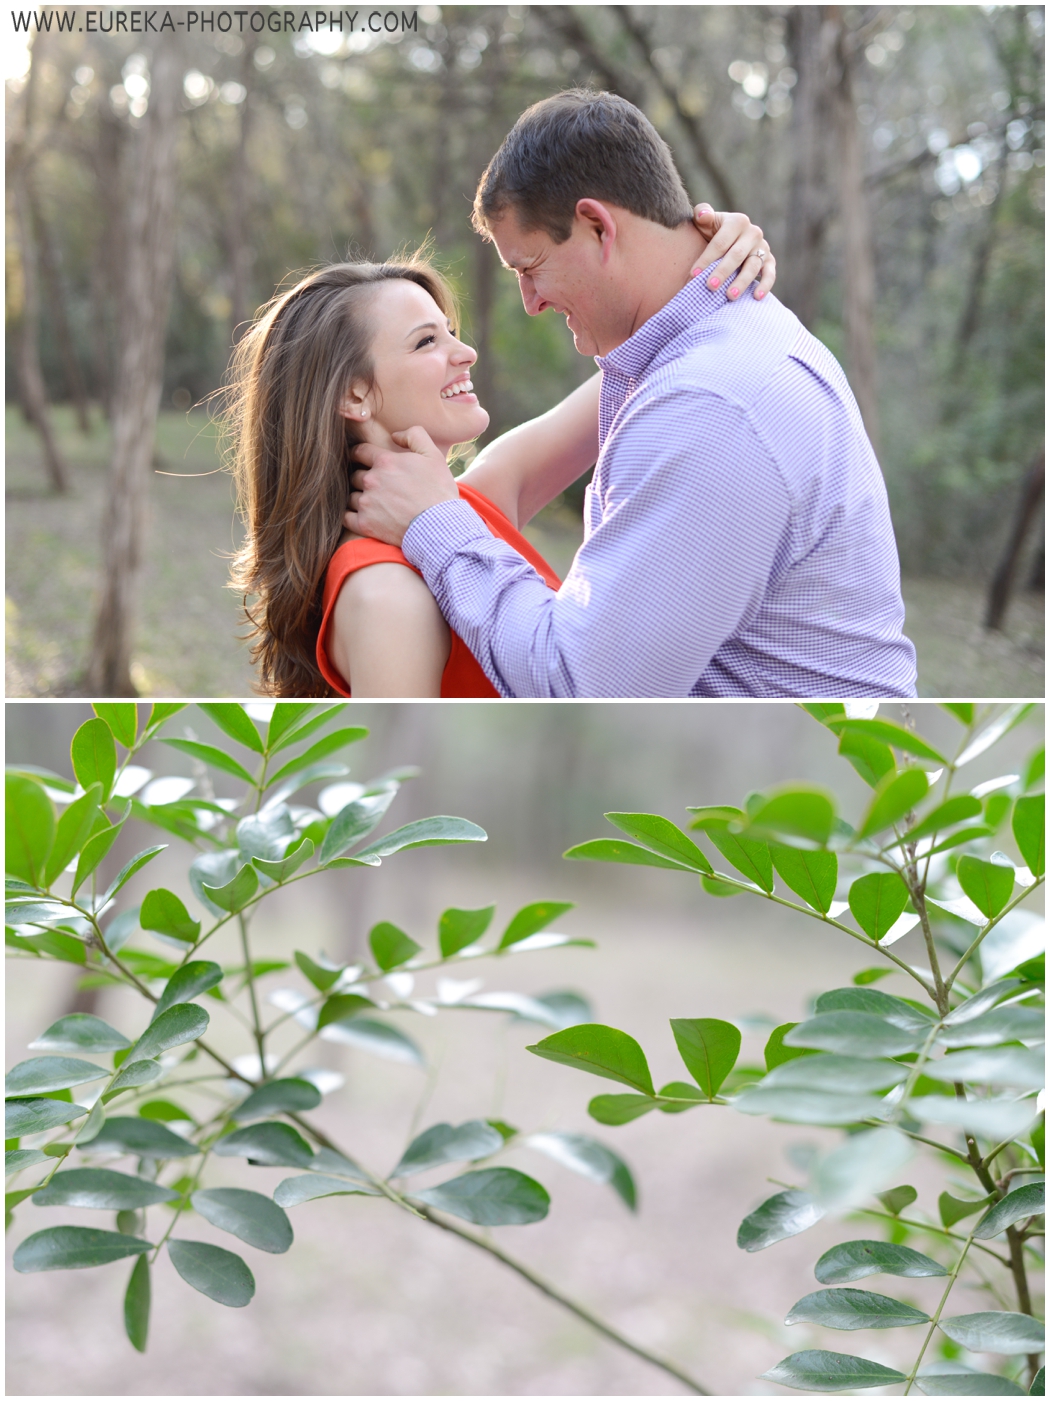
<point>578,145</point>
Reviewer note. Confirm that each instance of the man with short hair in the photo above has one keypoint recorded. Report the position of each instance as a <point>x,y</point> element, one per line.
<point>737,534</point>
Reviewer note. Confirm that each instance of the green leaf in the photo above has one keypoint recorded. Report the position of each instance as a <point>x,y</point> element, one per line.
<point>377,1038</point>
<point>718,814</point>
<point>235,894</point>
<point>1004,722</point>
<point>853,1034</point>
<point>801,1106</point>
<point>164,912</point>
<point>179,1024</point>
<point>74,1248</point>
<point>751,858</point>
<point>122,719</point>
<point>136,1304</point>
<point>1039,1384</point>
<point>1009,1333</point>
<point>130,869</point>
<point>837,1074</point>
<point>164,1112</point>
<point>877,901</point>
<point>619,1109</point>
<point>159,712</point>
<point>50,941</point>
<point>353,822</point>
<point>992,1028</point>
<point>962,710</point>
<point>1035,769</point>
<point>888,733</point>
<point>143,1138</point>
<point>297,855</point>
<point>391,946</point>
<point>25,1116</point>
<point>73,829</point>
<point>94,756</point>
<point>218,1273</point>
<point>97,848</point>
<point>1026,1201</point>
<point>491,1197</point>
<point>338,739</point>
<point>44,1073</point>
<point>659,835</point>
<point>214,758</point>
<point>1029,828</point>
<point>854,1308</point>
<point>824,710</point>
<point>191,981</point>
<point>966,1383</point>
<point>293,1191</point>
<point>602,1050</point>
<point>817,1370</point>
<point>234,721</point>
<point>277,1097</point>
<point>322,978</point>
<point>871,975</point>
<point>709,1048</point>
<point>677,1096</point>
<point>30,823</point>
<point>797,811</point>
<point>341,1007</point>
<point>811,874</point>
<point>80,1031</point>
<point>777,1052</point>
<point>286,716</point>
<point>995,1065</point>
<point>250,1216</point>
<point>955,810</point>
<point>271,1144</point>
<point>787,1214</point>
<point>458,929</point>
<point>621,854</point>
<point>894,797</point>
<point>266,833</point>
<point>443,1143</point>
<point>897,1198</point>
<point>134,1073</point>
<point>428,831</point>
<point>988,885</point>
<point>856,1259</point>
<point>15,1159</point>
<point>102,1189</point>
<point>894,1009</point>
<point>954,1209</point>
<point>872,759</point>
<point>590,1159</point>
<point>530,920</point>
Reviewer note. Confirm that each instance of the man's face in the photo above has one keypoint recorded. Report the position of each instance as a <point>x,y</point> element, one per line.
<point>573,278</point>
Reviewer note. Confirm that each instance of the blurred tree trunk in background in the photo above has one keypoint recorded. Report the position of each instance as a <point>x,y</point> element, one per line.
<point>108,158</point>
<point>1032,492</point>
<point>149,260</point>
<point>56,300</point>
<point>240,241</point>
<point>21,154</point>
<point>810,39</point>
<point>858,254</point>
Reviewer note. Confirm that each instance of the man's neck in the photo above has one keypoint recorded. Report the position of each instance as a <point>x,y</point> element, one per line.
<point>657,263</point>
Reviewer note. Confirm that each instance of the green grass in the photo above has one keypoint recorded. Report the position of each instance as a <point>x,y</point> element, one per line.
<point>186,634</point>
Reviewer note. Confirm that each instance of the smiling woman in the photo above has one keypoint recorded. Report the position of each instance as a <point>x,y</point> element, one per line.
<point>355,353</point>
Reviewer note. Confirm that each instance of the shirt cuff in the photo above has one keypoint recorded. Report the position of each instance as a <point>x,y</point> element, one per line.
<point>437,534</point>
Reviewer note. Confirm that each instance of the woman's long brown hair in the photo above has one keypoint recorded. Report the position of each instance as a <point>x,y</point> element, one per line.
<point>289,451</point>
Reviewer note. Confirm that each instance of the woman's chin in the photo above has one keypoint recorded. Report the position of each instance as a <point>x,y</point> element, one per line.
<point>474,422</point>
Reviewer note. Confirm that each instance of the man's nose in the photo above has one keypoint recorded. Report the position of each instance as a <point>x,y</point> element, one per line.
<point>531,299</point>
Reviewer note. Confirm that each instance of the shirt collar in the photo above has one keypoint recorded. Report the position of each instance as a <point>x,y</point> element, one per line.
<point>694,302</point>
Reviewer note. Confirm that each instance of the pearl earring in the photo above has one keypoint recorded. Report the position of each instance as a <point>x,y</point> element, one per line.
<point>364,413</point>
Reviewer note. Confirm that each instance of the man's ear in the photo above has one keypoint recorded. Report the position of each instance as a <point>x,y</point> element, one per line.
<point>599,224</point>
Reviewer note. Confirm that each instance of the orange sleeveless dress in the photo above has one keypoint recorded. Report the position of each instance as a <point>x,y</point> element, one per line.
<point>463,675</point>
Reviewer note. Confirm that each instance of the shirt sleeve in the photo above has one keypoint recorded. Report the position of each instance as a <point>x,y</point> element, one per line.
<point>693,512</point>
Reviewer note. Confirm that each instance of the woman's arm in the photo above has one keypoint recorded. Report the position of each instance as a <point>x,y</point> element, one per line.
<point>530,465</point>
<point>387,636</point>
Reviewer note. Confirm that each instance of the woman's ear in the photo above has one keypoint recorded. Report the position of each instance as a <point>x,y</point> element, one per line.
<point>355,405</point>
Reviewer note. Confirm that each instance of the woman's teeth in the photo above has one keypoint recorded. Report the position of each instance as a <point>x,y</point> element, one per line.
<point>463,386</point>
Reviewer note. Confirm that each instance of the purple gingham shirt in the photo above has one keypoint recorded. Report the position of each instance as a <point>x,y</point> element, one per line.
<point>737,536</point>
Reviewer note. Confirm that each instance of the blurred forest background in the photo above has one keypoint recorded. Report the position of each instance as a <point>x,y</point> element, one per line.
<point>161,188</point>
<point>366,1302</point>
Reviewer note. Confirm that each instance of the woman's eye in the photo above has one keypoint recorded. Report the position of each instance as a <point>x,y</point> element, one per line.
<point>427,340</point>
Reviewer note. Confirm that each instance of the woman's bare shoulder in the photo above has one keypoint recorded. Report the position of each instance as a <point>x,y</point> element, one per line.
<point>388,636</point>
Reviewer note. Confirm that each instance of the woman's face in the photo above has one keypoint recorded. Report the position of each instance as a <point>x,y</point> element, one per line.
<point>422,373</point>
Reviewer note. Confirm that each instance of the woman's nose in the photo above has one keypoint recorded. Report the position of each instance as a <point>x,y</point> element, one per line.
<point>464,354</point>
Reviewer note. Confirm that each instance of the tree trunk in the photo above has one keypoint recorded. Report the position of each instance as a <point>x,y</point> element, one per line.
<point>811,39</point>
<point>858,254</point>
<point>146,295</point>
<point>49,271</point>
<point>30,376</point>
<point>1027,513</point>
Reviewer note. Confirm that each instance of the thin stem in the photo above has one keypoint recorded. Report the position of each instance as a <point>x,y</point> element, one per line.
<point>986,929</point>
<point>1024,1298</point>
<point>931,1230</point>
<point>952,1277</point>
<point>180,1205</point>
<point>541,1284</point>
<point>249,978</point>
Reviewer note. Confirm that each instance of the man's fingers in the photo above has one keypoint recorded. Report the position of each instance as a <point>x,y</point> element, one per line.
<point>357,479</point>
<point>366,453</point>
